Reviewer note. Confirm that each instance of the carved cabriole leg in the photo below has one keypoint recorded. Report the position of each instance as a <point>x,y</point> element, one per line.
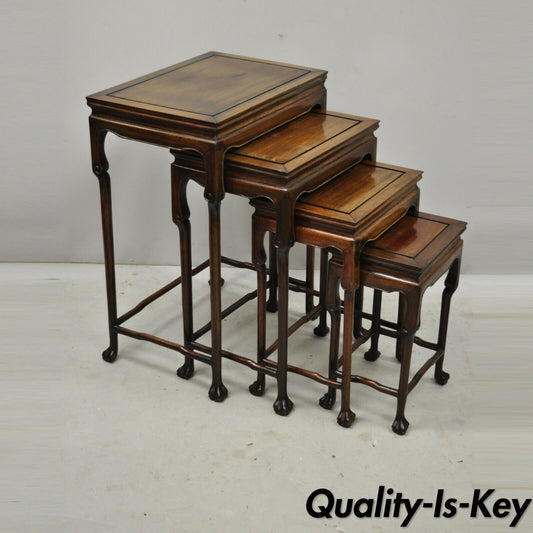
<point>214,193</point>
<point>257,388</point>
<point>283,405</point>
<point>272,304</point>
<point>333,304</point>
<point>450,285</point>
<point>181,217</point>
<point>346,416</point>
<point>373,353</point>
<point>309,276</point>
<point>322,329</point>
<point>100,167</point>
<point>284,240</point>
<point>350,284</point>
<point>410,318</point>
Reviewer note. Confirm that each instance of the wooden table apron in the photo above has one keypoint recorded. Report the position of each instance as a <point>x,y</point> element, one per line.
<point>175,130</point>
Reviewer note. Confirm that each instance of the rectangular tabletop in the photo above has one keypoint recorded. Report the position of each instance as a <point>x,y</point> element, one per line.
<point>214,92</point>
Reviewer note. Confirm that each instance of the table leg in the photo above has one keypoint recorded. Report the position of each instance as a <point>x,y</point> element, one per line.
<point>346,415</point>
<point>110,354</point>
<point>257,388</point>
<point>100,167</point>
<point>409,322</point>
<point>214,193</point>
<point>181,217</point>
<point>450,285</point>
<point>218,391</point>
<point>283,405</point>
<point>332,303</point>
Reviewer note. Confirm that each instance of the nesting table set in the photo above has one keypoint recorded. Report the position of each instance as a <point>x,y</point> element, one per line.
<point>261,130</point>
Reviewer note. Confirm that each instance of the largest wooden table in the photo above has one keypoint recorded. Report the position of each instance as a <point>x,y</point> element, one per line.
<point>206,104</point>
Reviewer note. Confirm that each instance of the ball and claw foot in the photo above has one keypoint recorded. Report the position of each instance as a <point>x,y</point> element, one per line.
<point>327,401</point>
<point>442,377</point>
<point>321,330</point>
<point>372,355</point>
<point>283,406</point>
<point>218,393</point>
<point>257,388</point>
<point>400,425</point>
<point>110,354</point>
<point>346,418</point>
<point>186,371</point>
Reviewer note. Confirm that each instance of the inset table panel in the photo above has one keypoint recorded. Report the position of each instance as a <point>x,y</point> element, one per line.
<point>220,83</point>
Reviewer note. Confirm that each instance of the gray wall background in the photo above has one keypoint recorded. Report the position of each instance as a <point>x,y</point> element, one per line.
<point>450,82</point>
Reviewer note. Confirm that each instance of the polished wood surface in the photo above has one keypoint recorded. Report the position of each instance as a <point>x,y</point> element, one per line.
<point>296,157</point>
<point>210,86</point>
<point>413,243</point>
<point>290,147</point>
<point>408,237</point>
<point>215,91</point>
<point>355,193</point>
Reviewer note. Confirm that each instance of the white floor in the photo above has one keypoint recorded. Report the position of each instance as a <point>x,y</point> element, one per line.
<point>86,446</point>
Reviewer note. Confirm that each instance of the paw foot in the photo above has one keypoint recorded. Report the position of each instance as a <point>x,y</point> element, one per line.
<point>400,425</point>
<point>283,406</point>
<point>327,401</point>
<point>186,371</point>
<point>346,418</point>
<point>372,355</point>
<point>218,392</point>
<point>442,377</point>
<point>321,330</point>
<point>257,388</point>
<point>110,354</point>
